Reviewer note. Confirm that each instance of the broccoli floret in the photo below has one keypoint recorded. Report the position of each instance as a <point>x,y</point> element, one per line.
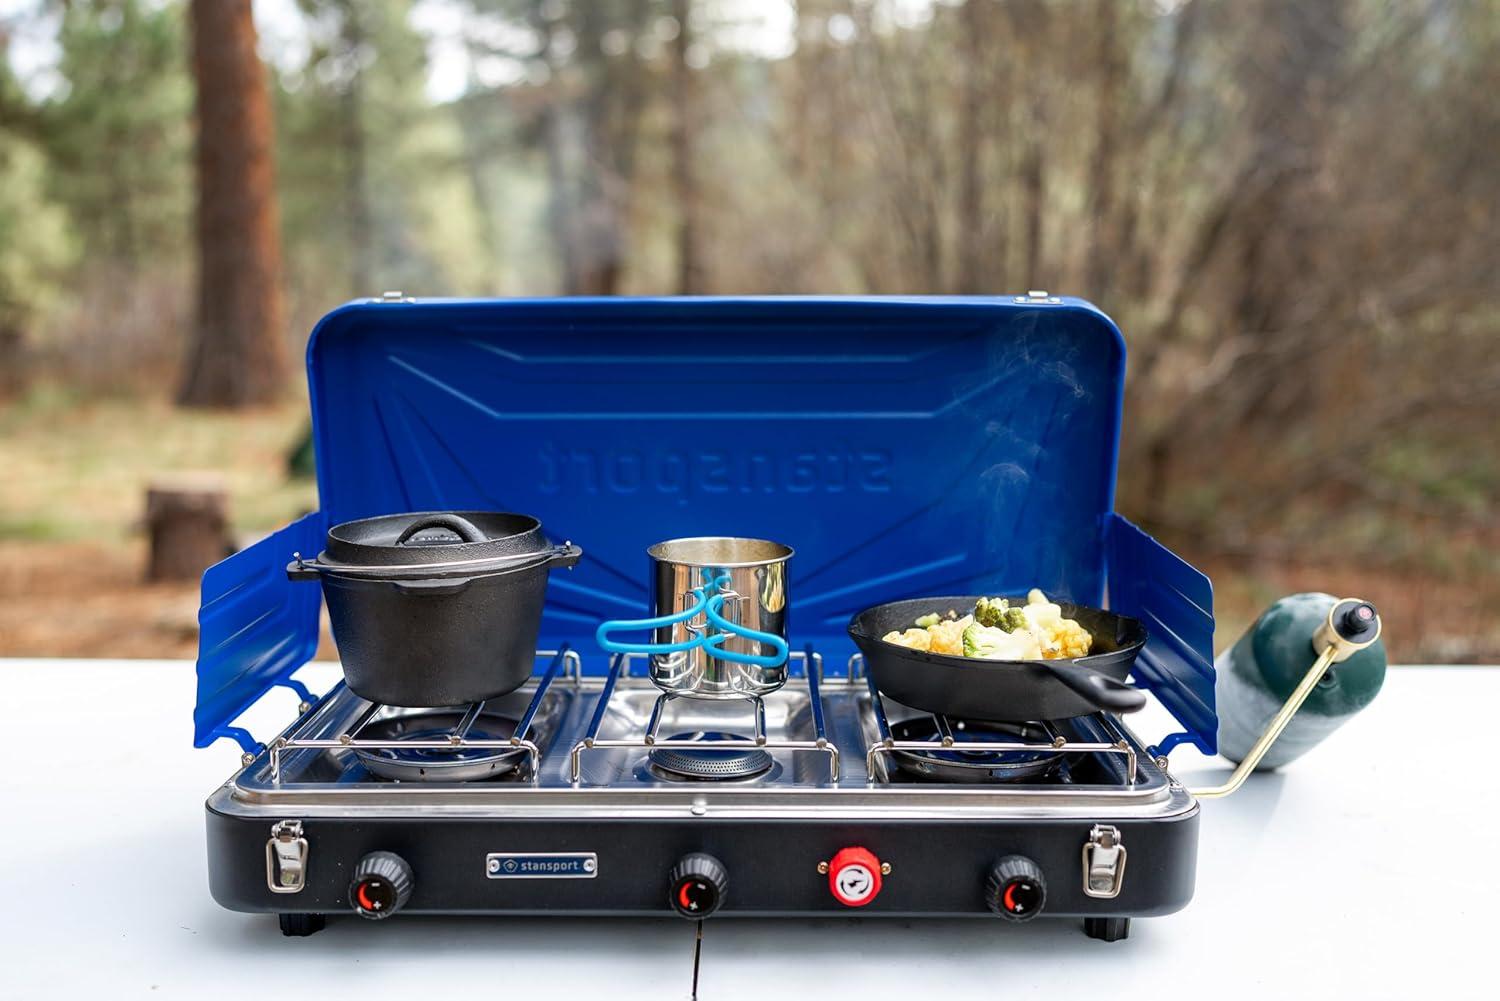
<point>984,641</point>
<point>931,619</point>
<point>997,613</point>
<point>994,643</point>
<point>987,611</point>
<point>1013,619</point>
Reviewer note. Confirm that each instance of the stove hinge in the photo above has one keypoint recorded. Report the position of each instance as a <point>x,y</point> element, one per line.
<point>286,857</point>
<point>1103,862</point>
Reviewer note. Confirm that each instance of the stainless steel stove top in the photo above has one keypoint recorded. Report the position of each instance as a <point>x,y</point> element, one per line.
<point>591,744</point>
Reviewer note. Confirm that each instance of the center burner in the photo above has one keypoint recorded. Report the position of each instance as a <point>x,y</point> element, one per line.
<point>711,765</point>
<point>955,764</point>
<point>423,764</point>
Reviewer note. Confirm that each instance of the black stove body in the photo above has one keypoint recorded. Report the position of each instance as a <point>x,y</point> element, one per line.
<point>902,447</point>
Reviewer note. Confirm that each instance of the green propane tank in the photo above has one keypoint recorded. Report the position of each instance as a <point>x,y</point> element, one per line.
<point>1260,673</point>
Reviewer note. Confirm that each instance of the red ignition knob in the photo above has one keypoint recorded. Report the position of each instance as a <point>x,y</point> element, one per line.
<point>854,876</point>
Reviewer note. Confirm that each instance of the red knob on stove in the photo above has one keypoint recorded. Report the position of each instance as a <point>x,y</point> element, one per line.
<point>381,885</point>
<point>854,876</point>
<point>1015,889</point>
<point>698,885</point>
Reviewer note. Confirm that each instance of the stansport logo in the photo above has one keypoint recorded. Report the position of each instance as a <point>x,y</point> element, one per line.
<point>684,473</point>
<point>524,865</point>
<point>532,867</point>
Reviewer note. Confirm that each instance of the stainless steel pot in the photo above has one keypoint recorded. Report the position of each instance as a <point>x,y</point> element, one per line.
<point>719,618</point>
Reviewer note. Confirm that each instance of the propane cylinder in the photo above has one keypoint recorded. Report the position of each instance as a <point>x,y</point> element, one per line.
<point>1257,675</point>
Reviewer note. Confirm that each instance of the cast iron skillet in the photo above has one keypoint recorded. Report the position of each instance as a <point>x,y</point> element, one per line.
<point>1001,690</point>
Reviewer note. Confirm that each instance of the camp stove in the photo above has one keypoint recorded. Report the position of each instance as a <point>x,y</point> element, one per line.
<point>611,797</point>
<point>903,447</point>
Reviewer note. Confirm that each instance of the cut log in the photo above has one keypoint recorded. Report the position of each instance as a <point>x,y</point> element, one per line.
<point>187,520</point>
<point>12,361</point>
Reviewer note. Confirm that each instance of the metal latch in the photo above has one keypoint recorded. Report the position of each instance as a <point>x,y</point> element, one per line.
<point>1103,862</point>
<point>286,857</point>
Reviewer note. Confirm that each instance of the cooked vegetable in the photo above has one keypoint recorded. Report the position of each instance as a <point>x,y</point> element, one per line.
<point>916,639</point>
<point>998,613</point>
<point>994,643</point>
<point>998,630</point>
<point>948,635</point>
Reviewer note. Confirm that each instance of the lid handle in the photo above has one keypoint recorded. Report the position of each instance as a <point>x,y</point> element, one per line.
<point>461,527</point>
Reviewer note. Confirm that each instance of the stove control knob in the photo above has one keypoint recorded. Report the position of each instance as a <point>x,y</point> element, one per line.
<point>1015,889</point>
<point>854,876</point>
<point>381,886</point>
<point>699,883</point>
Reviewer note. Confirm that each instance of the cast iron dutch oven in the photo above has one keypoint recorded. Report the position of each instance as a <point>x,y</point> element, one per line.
<point>437,608</point>
<point>1002,690</point>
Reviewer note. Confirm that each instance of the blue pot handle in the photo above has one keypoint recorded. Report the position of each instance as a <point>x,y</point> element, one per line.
<point>727,628</point>
<point>601,635</point>
<point>709,606</point>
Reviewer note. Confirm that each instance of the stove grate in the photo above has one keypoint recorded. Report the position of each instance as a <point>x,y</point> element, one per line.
<point>886,748</point>
<point>619,666</point>
<point>458,739</point>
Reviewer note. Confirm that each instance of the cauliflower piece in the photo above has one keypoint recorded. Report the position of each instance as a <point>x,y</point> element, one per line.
<point>915,639</point>
<point>948,635</point>
<point>994,643</point>
<point>1065,638</point>
<point>1059,637</point>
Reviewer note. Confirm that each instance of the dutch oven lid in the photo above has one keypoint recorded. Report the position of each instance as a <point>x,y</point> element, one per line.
<point>434,539</point>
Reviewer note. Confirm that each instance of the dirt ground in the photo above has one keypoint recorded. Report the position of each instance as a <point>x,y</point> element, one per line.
<point>44,612</point>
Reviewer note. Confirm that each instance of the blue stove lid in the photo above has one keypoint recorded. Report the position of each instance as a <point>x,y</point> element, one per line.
<point>902,446</point>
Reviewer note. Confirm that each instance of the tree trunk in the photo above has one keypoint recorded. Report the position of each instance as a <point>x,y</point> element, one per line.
<point>237,357</point>
<point>1103,246</point>
<point>187,518</point>
<point>1029,21</point>
<point>352,138</point>
<point>689,258</point>
<point>974,275</point>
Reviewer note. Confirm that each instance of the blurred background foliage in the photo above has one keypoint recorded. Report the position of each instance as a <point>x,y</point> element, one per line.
<point>1289,207</point>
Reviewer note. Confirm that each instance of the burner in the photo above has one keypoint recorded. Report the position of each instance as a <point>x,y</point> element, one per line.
<point>710,765</point>
<point>959,765</point>
<point>463,764</point>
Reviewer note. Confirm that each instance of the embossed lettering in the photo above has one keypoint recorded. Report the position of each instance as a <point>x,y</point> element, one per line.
<point>584,470</point>
<point>552,471</point>
<point>672,474</point>
<point>874,472</point>
<point>681,474</point>
<point>623,473</point>
<point>713,472</point>
<point>802,477</point>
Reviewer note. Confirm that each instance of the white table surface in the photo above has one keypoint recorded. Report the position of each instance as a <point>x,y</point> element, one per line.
<point>1356,873</point>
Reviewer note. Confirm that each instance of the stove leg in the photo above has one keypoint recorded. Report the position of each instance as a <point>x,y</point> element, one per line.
<point>301,925</point>
<point>1107,929</point>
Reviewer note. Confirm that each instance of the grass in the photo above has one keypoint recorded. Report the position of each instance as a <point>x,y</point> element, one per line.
<point>76,469</point>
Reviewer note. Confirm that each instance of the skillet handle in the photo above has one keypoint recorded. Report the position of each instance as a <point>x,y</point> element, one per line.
<point>1100,689</point>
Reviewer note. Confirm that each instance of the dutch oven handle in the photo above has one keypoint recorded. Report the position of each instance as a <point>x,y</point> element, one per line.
<point>1101,690</point>
<point>300,569</point>
<point>462,527</point>
<point>565,555</point>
